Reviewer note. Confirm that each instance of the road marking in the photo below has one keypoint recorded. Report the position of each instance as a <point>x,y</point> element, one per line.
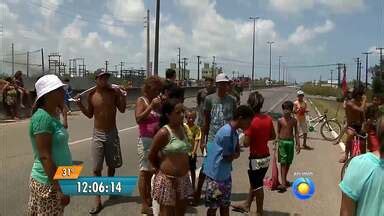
<point>276,104</point>
<point>341,143</point>
<point>90,138</point>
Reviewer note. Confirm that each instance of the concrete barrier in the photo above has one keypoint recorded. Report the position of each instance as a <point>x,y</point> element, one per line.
<point>132,95</point>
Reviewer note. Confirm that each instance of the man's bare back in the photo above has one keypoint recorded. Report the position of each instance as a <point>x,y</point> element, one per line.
<point>354,115</point>
<point>286,127</point>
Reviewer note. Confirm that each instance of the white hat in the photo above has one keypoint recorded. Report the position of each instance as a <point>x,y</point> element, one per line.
<point>46,84</point>
<point>222,78</point>
<point>300,92</point>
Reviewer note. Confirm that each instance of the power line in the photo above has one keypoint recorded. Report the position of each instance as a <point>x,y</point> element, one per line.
<point>19,63</point>
<point>66,13</point>
<point>311,66</point>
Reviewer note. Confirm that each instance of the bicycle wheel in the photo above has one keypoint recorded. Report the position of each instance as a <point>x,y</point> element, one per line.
<point>330,130</point>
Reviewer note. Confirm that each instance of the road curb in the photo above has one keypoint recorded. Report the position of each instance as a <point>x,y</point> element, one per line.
<point>341,144</point>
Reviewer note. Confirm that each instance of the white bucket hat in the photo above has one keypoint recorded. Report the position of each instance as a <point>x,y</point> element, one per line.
<point>46,84</point>
<point>300,92</point>
<point>222,78</point>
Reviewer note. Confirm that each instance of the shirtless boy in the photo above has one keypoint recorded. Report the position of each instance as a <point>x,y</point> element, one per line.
<point>103,103</point>
<point>287,134</point>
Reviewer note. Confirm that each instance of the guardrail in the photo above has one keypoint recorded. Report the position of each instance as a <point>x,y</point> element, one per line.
<point>132,95</point>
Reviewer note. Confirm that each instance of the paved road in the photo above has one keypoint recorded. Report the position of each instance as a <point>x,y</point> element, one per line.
<point>16,162</point>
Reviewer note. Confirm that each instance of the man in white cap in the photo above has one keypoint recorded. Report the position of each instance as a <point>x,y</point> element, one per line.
<point>218,109</point>
<point>103,102</point>
<point>300,110</point>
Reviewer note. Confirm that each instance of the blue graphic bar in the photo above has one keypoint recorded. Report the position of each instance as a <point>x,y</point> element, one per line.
<point>121,185</point>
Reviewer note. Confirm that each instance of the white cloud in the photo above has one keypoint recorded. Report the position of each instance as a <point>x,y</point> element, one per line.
<point>127,10</point>
<point>93,40</point>
<point>291,6</point>
<point>336,6</point>
<point>343,6</point>
<point>303,34</point>
<point>48,7</point>
<point>74,30</point>
<point>107,23</point>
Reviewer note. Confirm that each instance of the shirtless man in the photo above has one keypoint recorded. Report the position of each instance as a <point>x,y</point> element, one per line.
<point>354,110</point>
<point>103,103</point>
<point>300,110</point>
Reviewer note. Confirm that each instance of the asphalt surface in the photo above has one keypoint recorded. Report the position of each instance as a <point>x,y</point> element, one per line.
<point>321,163</point>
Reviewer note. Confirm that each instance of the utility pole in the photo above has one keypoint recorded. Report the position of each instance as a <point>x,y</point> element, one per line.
<point>338,75</point>
<point>184,66</point>
<point>179,63</point>
<point>106,66</point>
<point>28,64</point>
<point>286,74</point>
<point>270,59</point>
<point>357,69</point>
<point>156,61</point>
<point>198,68</point>
<point>279,68</point>
<point>42,60</point>
<point>331,78</point>
<point>214,67</point>
<point>148,25</point>
<point>366,67</point>
<point>381,62</point>
<point>253,47</point>
<point>13,59</point>
<point>121,69</point>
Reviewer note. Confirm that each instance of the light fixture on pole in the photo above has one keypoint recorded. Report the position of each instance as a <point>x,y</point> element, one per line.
<point>270,59</point>
<point>253,46</point>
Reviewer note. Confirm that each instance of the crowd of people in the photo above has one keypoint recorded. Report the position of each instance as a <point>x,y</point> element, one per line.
<point>170,136</point>
<point>362,184</point>
<point>15,96</point>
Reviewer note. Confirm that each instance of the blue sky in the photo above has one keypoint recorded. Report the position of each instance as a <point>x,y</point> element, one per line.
<point>305,32</point>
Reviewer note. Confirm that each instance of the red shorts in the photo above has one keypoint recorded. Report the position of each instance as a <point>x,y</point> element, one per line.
<point>373,141</point>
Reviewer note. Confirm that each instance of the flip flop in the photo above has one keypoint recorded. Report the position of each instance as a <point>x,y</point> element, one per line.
<point>239,209</point>
<point>281,189</point>
<point>147,211</point>
<point>96,210</point>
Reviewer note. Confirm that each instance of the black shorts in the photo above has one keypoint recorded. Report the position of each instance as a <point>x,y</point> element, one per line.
<point>357,128</point>
<point>256,174</point>
<point>192,163</point>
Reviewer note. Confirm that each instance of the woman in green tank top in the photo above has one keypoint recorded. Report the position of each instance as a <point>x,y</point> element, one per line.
<point>169,157</point>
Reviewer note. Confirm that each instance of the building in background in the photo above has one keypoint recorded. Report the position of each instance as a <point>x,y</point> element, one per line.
<point>209,72</point>
<point>184,75</point>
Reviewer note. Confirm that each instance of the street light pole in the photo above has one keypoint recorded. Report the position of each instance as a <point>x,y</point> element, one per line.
<point>156,61</point>
<point>253,46</point>
<point>366,67</point>
<point>279,68</point>
<point>270,59</point>
<point>179,63</point>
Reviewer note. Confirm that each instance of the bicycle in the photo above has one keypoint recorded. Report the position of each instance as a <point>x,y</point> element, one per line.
<point>330,129</point>
<point>356,149</point>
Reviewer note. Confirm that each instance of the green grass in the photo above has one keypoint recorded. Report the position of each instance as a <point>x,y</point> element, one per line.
<point>321,90</point>
<point>335,109</point>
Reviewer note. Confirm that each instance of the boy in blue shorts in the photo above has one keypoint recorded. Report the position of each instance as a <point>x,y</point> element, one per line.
<point>218,165</point>
<point>287,134</point>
